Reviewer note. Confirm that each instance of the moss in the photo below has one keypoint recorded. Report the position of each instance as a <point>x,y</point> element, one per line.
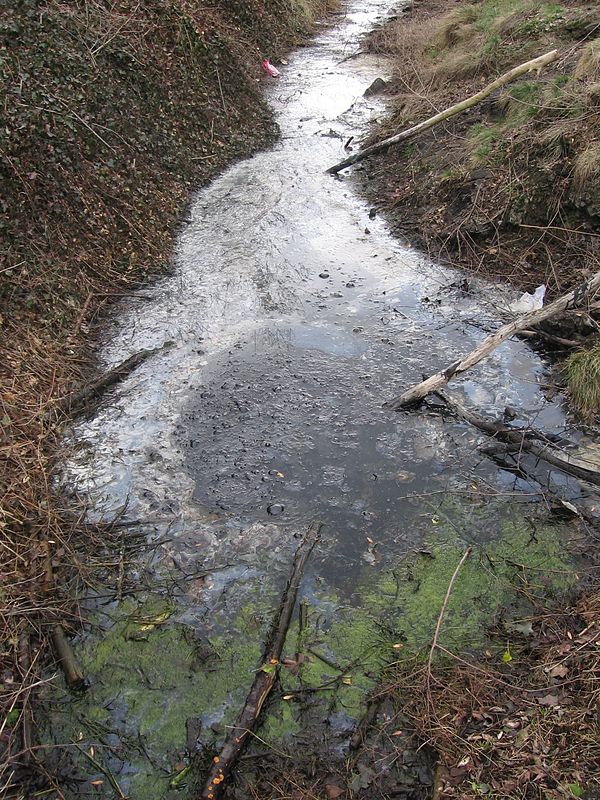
<point>280,724</point>
<point>152,685</point>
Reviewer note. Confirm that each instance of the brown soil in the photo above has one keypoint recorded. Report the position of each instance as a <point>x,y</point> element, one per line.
<point>511,188</point>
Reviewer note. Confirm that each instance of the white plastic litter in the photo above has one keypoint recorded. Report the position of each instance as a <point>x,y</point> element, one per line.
<point>529,302</point>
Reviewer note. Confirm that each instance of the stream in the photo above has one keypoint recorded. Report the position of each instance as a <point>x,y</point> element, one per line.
<point>293,315</point>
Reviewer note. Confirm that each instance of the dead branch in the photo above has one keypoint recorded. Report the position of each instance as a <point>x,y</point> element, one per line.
<point>436,635</point>
<point>575,298</point>
<point>529,441</point>
<point>266,674</point>
<point>64,653</point>
<point>548,337</point>
<point>82,398</point>
<point>409,133</point>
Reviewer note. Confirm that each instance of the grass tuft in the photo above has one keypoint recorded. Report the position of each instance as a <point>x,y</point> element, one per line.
<point>588,64</point>
<point>587,166</point>
<point>582,375</point>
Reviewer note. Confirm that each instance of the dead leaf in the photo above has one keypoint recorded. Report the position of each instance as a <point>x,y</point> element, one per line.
<point>333,791</point>
<point>548,700</point>
<point>525,628</point>
<point>559,671</point>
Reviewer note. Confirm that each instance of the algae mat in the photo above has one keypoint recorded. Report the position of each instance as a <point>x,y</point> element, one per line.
<point>161,691</point>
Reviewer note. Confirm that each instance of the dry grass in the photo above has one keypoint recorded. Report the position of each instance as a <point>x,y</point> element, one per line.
<point>588,63</point>
<point>586,166</point>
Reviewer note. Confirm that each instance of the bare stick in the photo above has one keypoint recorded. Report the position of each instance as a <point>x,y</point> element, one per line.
<point>525,441</point>
<point>64,653</point>
<point>266,675</point>
<point>508,77</point>
<point>436,635</point>
<point>576,297</point>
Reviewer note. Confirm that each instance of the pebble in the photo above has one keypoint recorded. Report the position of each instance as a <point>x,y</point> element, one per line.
<point>275,509</point>
<point>323,275</point>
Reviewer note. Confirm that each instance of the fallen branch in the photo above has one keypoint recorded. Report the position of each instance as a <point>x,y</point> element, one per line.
<point>266,675</point>
<point>549,337</point>
<point>508,77</point>
<point>526,441</point>
<point>573,299</point>
<point>81,399</point>
<point>73,674</point>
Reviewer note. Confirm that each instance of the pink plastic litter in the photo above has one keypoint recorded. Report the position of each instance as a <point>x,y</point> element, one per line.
<point>270,69</point>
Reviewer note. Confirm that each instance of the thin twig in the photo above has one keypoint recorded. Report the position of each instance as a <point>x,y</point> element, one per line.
<point>434,642</point>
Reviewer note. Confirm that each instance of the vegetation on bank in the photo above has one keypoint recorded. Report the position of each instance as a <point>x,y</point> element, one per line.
<point>112,113</point>
<point>510,189</point>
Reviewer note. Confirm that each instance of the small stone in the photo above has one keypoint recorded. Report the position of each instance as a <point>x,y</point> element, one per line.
<point>376,87</point>
<point>350,285</point>
<point>323,275</point>
<point>275,509</point>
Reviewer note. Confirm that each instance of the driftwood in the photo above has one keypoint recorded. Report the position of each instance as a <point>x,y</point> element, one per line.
<point>576,297</point>
<point>72,671</point>
<point>508,77</point>
<point>549,337</point>
<point>82,398</point>
<point>266,675</point>
<point>526,440</point>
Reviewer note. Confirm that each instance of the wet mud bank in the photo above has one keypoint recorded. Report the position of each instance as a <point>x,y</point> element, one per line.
<point>293,315</point>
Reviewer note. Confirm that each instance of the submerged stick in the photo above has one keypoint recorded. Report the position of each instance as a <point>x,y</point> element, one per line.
<point>438,627</point>
<point>73,674</point>
<point>573,299</point>
<point>266,675</point>
<point>78,400</point>
<point>526,441</point>
<point>508,77</point>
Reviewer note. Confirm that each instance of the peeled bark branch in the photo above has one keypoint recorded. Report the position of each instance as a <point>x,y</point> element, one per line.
<point>508,77</point>
<point>266,675</point>
<point>573,299</point>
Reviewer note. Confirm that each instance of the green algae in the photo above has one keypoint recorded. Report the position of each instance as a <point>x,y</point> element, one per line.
<point>150,673</point>
<point>147,679</point>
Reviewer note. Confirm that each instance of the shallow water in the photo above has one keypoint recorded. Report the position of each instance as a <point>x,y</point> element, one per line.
<point>294,315</point>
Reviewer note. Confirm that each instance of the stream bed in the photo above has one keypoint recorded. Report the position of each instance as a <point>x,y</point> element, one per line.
<point>292,314</point>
